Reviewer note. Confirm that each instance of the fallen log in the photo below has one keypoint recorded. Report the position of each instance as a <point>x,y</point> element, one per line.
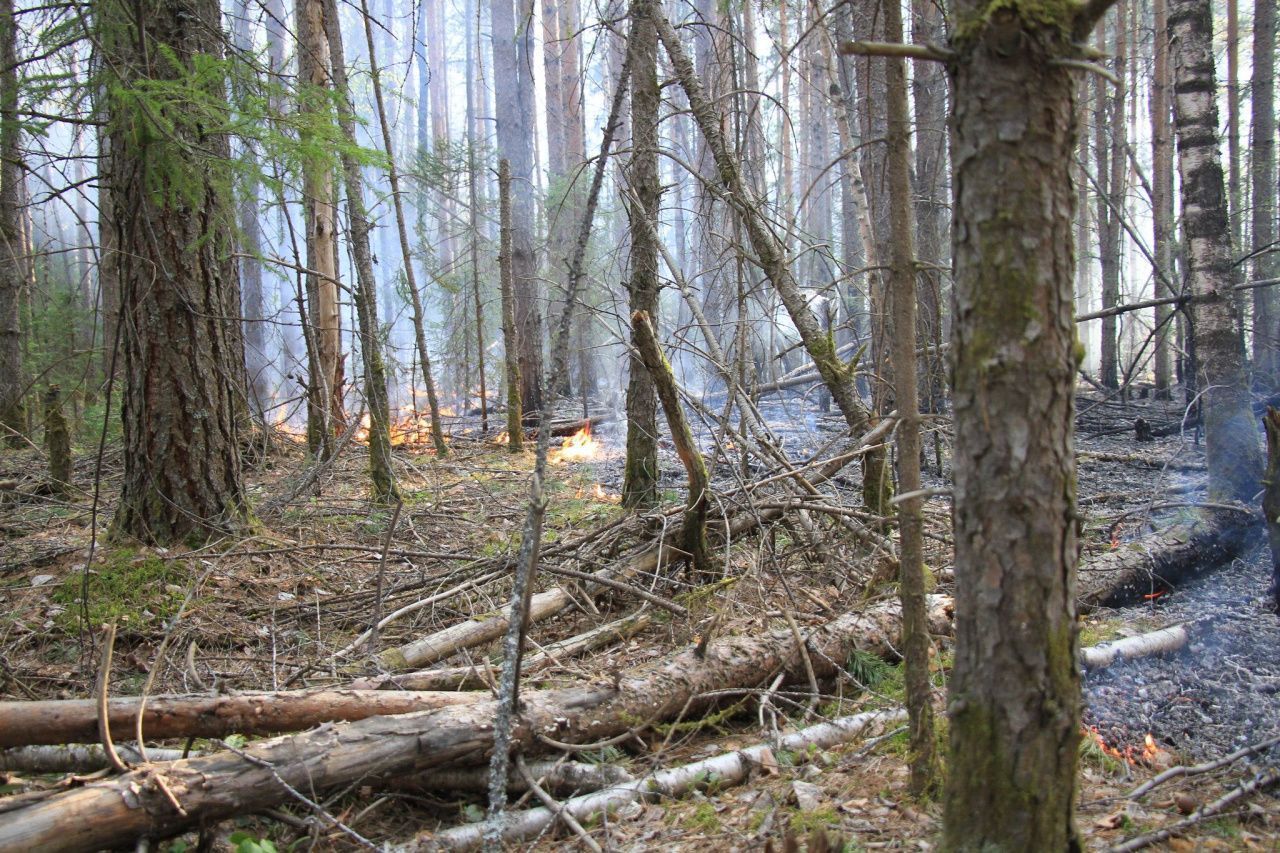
<point>728,769</point>
<point>159,802</point>
<point>1129,648</point>
<point>75,758</point>
<point>1153,564</point>
<point>560,777</point>
<point>76,720</point>
<point>472,678</point>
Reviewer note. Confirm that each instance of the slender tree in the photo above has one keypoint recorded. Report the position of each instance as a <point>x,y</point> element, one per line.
<point>1163,235</point>
<point>179,293</point>
<point>325,382</point>
<point>640,481</point>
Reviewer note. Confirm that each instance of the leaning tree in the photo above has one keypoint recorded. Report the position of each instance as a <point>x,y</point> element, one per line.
<point>168,186</point>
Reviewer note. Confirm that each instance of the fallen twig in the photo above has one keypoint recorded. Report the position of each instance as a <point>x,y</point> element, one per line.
<point>1244,789</point>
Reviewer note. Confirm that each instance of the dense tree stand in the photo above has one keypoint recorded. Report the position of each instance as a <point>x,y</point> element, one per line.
<point>182,349</point>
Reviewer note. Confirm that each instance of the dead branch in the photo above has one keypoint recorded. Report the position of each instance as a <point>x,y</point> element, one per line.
<point>1259,782</point>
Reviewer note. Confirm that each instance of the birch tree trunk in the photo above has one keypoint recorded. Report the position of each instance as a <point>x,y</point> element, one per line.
<point>1232,449</point>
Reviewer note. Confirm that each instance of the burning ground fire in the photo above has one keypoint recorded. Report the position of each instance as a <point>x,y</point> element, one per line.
<point>1148,754</point>
<point>579,447</point>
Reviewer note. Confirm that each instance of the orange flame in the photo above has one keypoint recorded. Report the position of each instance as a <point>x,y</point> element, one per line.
<point>579,447</point>
<point>1147,754</point>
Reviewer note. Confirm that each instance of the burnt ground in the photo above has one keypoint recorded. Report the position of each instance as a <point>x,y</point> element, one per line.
<point>277,603</point>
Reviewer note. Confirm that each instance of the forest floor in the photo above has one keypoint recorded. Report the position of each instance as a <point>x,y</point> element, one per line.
<point>274,610</point>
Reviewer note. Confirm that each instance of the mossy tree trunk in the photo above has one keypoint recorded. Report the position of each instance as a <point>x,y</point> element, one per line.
<point>1015,690</point>
<point>640,480</point>
<point>13,418</point>
<point>693,533</point>
<point>182,351</point>
<point>1232,451</point>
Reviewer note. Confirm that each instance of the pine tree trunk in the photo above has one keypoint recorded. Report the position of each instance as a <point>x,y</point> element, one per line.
<point>1015,690</point>
<point>181,344</point>
<point>1231,431</point>
<point>510,342</point>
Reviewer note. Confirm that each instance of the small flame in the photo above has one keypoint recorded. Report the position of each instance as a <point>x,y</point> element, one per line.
<point>579,447</point>
<point>1149,754</point>
<point>598,492</point>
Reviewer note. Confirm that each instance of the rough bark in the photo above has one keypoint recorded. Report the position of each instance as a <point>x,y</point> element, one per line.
<point>13,417</point>
<point>134,805</point>
<point>76,720</point>
<point>1231,431</point>
<point>1262,149</point>
<point>57,441</point>
<point>640,479</point>
<point>1015,690</point>
<point>180,297</point>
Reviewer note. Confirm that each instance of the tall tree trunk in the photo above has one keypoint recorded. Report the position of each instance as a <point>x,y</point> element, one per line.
<point>1231,431</point>
<point>510,333</point>
<point>325,384</point>
<point>13,418</point>
<point>1163,235</point>
<point>929,91</point>
<point>513,84</point>
<point>381,470</point>
<point>179,293</point>
<point>640,481</point>
<point>1262,144</point>
<point>902,274</point>
<point>473,198</point>
<point>255,338</point>
<point>1015,690</point>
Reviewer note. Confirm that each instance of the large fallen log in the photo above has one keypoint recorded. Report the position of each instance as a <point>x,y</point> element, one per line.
<point>162,801</point>
<point>1153,564</point>
<point>76,720</point>
<point>727,769</point>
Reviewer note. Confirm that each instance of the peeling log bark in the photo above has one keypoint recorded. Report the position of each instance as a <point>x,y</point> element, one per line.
<point>76,720</point>
<point>138,805</point>
<point>1164,559</point>
<point>731,768</point>
<point>1143,645</point>
<point>74,758</point>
